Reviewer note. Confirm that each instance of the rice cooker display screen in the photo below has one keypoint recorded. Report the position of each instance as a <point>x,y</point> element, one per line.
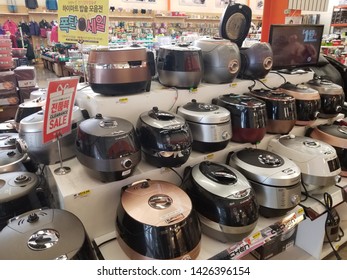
<point>175,140</point>
<point>333,164</point>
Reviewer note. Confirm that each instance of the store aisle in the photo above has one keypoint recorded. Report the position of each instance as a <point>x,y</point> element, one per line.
<point>43,75</point>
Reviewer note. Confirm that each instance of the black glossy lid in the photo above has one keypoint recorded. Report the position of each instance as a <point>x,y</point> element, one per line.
<point>272,94</point>
<point>243,100</point>
<point>339,131</point>
<point>218,173</point>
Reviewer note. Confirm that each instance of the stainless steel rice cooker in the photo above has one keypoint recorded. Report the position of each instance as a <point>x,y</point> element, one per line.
<point>31,138</point>
<point>166,139</point>
<point>221,58</point>
<point>12,160</point>
<point>28,108</point>
<point>8,127</point>
<point>317,160</point>
<point>156,220</point>
<point>224,199</point>
<point>108,147</point>
<point>275,179</point>
<point>210,125</point>
<point>45,234</point>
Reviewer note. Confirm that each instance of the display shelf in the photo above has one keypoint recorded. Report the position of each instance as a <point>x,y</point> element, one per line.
<point>131,18</point>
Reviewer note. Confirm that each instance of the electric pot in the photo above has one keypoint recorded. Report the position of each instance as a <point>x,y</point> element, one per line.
<point>166,139</point>
<point>45,234</point>
<point>275,179</point>
<point>248,117</point>
<point>17,194</point>
<point>221,60</point>
<point>156,220</point>
<point>28,108</point>
<point>317,160</point>
<point>332,97</point>
<point>280,108</point>
<point>224,199</point>
<point>180,66</point>
<point>307,101</point>
<point>121,70</point>
<point>336,136</point>
<point>31,139</point>
<point>256,61</point>
<point>8,141</point>
<point>12,160</point>
<point>210,125</point>
<point>108,147</point>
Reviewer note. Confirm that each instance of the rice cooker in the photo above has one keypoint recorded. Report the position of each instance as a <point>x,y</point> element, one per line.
<point>156,220</point>
<point>332,97</point>
<point>8,127</point>
<point>41,92</point>
<point>17,194</point>
<point>221,58</point>
<point>275,179</point>
<point>108,147</point>
<point>28,108</point>
<point>224,199</point>
<point>180,66</point>
<point>317,160</point>
<point>307,100</point>
<point>336,136</point>
<point>248,117</point>
<point>166,139</point>
<point>210,125</point>
<point>8,141</point>
<point>45,234</point>
<point>121,70</point>
<point>280,108</point>
<point>12,160</point>
<point>31,139</point>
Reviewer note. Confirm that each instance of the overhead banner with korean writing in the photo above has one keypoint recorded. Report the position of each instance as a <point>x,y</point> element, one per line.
<point>83,21</point>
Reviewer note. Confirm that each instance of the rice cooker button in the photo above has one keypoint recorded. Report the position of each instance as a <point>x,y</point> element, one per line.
<point>225,135</point>
<point>32,218</point>
<point>295,199</point>
<point>127,163</point>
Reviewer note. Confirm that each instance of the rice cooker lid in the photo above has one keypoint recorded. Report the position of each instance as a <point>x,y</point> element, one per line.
<point>11,157</point>
<point>41,92</point>
<point>324,86</point>
<point>339,131</point>
<point>266,167</point>
<point>8,127</point>
<point>38,102</point>
<point>8,140</point>
<point>162,119</point>
<point>42,234</point>
<point>273,95</point>
<point>14,185</point>
<point>204,113</point>
<point>156,203</point>
<point>101,126</point>
<point>221,180</point>
<point>300,91</point>
<point>180,48</point>
<point>242,101</point>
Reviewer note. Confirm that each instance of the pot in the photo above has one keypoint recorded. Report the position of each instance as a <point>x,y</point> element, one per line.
<point>307,101</point>
<point>275,179</point>
<point>17,194</point>
<point>31,139</point>
<point>156,220</point>
<point>317,160</point>
<point>108,146</point>
<point>121,70</point>
<point>180,66</point>
<point>166,139</point>
<point>280,108</point>
<point>45,234</point>
<point>8,127</point>
<point>28,108</point>
<point>221,59</point>
<point>12,160</point>
<point>248,117</point>
<point>8,141</point>
<point>332,97</point>
<point>224,200</point>
<point>210,125</point>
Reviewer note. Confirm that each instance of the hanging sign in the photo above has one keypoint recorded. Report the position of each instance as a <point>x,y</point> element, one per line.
<point>60,101</point>
<point>83,21</point>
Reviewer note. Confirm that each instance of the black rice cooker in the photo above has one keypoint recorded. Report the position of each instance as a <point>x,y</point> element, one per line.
<point>166,139</point>
<point>156,220</point>
<point>109,146</point>
<point>224,200</point>
<point>45,234</point>
<point>280,108</point>
<point>180,66</point>
<point>8,141</point>
<point>317,160</point>
<point>210,125</point>
<point>275,179</point>
<point>248,117</point>
<point>28,108</point>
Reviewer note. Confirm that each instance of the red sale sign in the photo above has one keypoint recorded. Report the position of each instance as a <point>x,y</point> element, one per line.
<point>60,101</point>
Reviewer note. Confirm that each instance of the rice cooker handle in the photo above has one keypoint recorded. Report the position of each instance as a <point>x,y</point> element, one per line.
<point>151,62</point>
<point>224,177</point>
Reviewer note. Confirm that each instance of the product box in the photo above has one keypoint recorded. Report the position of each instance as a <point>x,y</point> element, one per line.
<point>8,112</point>
<point>24,93</point>
<point>26,76</point>
<point>276,245</point>
<point>8,83</point>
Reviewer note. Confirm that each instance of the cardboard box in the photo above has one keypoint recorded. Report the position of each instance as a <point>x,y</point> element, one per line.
<point>8,83</point>
<point>8,112</point>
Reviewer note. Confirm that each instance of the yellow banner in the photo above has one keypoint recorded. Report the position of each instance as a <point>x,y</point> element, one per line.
<point>83,21</point>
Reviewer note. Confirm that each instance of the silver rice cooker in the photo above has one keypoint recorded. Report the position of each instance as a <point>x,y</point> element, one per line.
<point>221,58</point>
<point>8,127</point>
<point>180,66</point>
<point>28,108</point>
<point>8,141</point>
<point>156,220</point>
<point>166,139</point>
<point>31,138</point>
<point>12,160</point>
<point>224,199</point>
<point>210,125</point>
<point>45,234</point>
<point>275,179</point>
<point>317,160</point>
<point>108,147</point>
